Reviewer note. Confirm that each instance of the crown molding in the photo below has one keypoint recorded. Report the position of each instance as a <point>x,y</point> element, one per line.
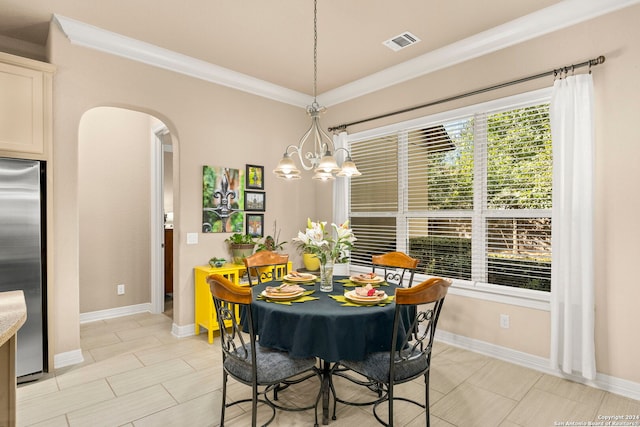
<point>92,37</point>
<point>544,21</point>
<point>547,20</point>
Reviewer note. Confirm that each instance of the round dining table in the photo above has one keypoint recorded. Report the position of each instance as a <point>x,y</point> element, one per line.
<point>325,328</point>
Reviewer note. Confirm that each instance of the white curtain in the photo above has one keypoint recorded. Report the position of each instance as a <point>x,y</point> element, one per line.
<point>572,282</point>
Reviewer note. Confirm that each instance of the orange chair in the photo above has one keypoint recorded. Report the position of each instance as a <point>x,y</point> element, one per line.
<point>413,359</point>
<point>395,265</point>
<point>264,266</point>
<point>249,363</point>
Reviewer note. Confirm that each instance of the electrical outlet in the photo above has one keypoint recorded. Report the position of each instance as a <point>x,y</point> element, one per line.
<point>504,321</point>
<point>121,289</point>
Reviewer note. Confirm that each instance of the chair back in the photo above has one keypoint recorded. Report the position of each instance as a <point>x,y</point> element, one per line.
<point>251,364</point>
<point>264,266</point>
<point>426,300</point>
<point>228,300</point>
<point>395,266</point>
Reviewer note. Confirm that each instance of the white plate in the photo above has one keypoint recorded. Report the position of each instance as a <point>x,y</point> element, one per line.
<point>281,296</point>
<point>360,279</point>
<point>353,297</point>
<point>303,277</point>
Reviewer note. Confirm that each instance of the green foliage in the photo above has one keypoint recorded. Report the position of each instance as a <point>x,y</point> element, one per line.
<point>518,163</point>
<point>208,188</point>
<point>440,180</point>
<point>239,238</point>
<point>451,257</point>
<point>272,242</point>
<point>520,273</point>
<point>519,159</point>
<point>442,256</point>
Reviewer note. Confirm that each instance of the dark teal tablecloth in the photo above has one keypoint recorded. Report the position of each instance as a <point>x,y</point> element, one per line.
<point>324,328</point>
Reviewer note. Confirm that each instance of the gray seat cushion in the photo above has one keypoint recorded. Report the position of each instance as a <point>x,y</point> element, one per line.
<point>273,366</point>
<point>376,366</point>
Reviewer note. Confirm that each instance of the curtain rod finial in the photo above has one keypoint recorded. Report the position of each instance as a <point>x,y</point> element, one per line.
<point>338,128</point>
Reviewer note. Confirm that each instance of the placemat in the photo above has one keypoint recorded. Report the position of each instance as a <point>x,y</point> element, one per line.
<point>349,283</point>
<point>346,303</point>
<point>302,298</point>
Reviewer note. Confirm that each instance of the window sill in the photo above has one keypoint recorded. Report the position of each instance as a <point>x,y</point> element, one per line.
<point>528,298</point>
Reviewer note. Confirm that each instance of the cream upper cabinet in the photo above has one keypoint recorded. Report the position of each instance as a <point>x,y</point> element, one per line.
<point>25,107</point>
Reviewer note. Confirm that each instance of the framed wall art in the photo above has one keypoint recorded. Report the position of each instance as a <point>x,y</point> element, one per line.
<point>222,199</point>
<point>255,225</point>
<point>255,177</point>
<point>254,201</point>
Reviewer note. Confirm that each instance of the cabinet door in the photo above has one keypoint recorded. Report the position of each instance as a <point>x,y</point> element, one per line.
<point>21,109</point>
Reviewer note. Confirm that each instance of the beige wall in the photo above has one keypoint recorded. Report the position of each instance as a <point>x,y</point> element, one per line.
<point>617,102</point>
<point>209,124</point>
<point>219,126</point>
<point>114,188</point>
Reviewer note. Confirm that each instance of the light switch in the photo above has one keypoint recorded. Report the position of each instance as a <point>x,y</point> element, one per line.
<point>192,238</point>
<point>504,321</point>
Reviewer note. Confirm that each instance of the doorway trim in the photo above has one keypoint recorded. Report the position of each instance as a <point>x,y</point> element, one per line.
<point>157,219</point>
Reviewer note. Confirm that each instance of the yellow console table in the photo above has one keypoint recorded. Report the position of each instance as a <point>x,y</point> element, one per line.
<point>204,312</point>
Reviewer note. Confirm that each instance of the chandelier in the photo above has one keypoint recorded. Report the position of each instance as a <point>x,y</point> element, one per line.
<point>321,159</point>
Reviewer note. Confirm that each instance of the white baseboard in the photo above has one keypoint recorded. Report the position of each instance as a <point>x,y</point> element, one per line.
<point>115,312</point>
<point>72,357</point>
<point>608,383</point>
<point>183,331</point>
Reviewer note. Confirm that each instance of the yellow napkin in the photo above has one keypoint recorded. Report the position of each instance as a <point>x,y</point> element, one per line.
<point>302,298</point>
<point>348,282</point>
<point>346,303</point>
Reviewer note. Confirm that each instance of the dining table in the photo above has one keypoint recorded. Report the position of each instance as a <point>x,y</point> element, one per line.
<point>323,327</point>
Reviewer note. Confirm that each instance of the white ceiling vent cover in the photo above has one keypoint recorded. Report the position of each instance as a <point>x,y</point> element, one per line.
<point>401,41</point>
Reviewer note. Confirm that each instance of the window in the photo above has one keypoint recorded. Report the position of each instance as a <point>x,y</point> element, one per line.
<point>467,192</point>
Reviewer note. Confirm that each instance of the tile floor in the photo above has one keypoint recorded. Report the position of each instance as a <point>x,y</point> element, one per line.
<point>137,374</point>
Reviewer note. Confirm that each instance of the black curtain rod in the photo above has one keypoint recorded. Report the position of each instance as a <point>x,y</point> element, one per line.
<point>554,72</point>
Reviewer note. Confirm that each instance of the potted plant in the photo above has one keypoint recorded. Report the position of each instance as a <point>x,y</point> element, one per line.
<point>328,248</point>
<point>217,262</point>
<point>270,242</point>
<point>310,260</point>
<point>241,246</point>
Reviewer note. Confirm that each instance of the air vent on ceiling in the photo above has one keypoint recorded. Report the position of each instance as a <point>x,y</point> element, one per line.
<point>401,41</point>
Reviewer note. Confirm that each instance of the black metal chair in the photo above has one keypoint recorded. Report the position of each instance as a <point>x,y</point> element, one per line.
<point>249,363</point>
<point>395,266</point>
<point>265,266</point>
<point>390,368</point>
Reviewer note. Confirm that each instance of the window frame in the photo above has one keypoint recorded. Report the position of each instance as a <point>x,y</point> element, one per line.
<point>474,289</point>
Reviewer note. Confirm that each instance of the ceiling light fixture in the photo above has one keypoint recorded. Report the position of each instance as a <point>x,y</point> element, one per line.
<point>321,159</point>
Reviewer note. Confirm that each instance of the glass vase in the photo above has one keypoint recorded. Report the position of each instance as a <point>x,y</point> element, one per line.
<point>326,277</point>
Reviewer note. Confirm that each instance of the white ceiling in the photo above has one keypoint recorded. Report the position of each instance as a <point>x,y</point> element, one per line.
<point>272,40</point>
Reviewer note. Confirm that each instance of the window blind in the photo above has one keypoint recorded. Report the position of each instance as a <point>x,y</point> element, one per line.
<point>470,197</point>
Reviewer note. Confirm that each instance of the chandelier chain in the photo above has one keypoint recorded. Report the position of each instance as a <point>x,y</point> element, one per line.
<point>315,49</point>
<point>321,159</point>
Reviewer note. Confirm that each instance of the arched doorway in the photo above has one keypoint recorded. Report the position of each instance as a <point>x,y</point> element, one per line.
<point>121,218</point>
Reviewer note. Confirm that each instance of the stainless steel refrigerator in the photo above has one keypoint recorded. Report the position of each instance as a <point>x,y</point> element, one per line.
<point>22,256</point>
